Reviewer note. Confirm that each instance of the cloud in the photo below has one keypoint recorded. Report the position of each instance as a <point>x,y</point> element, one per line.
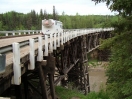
<point>70,7</point>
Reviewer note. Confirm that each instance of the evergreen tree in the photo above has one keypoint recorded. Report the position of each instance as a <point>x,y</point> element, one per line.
<point>41,14</point>
<point>17,21</point>
<point>45,15</point>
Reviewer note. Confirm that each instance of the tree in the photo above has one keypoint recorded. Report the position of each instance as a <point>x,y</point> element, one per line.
<point>119,71</point>
<point>45,14</point>
<point>41,14</point>
<point>124,7</point>
<point>1,25</point>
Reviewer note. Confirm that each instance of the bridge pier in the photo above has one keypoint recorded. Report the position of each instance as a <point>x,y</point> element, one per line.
<point>25,83</point>
<point>18,92</point>
<point>83,64</point>
<point>42,80</point>
<point>73,64</point>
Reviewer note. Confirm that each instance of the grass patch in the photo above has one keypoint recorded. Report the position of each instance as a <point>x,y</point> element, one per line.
<point>94,63</point>
<point>64,93</point>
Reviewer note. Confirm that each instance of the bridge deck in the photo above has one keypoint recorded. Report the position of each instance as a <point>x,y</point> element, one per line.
<point>9,41</point>
<point>24,51</point>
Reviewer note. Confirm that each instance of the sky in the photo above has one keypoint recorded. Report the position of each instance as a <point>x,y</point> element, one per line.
<point>70,7</point>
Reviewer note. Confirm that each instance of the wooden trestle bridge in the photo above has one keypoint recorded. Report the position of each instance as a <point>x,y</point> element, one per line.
<point>32,65</point>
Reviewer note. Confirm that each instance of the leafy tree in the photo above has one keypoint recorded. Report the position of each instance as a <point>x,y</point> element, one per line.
<point>0,25</point>
<point>122,6</point>
<point>119,71</point>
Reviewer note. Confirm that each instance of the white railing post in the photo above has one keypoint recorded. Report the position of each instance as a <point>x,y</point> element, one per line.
<point>58,45</point>
<point>40,31</point>
<point>51,44</point>
<point>61,38</point>
<point>6,34</point>
<point>13,34</point>
<point>19,33</point>
<point>72,34</point>
<point>68,37</point>
<point>40,52</point>
<point>79,32</point>
<point>46,46</point>
<point>85,32</point>
<point>33,32</point>
<point>75,32</point>
<point>54,47</point>
<point>31,65</point>
<point>16,64</point>
<point>82,32</point>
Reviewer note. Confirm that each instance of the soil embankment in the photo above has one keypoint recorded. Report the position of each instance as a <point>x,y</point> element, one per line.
<point>97,76</point>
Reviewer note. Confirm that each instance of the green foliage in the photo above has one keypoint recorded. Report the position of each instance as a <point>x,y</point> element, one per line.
<point>1,24</point>
<point>18,21</point>
<point>119,71</point>
<point>97,95</point>
<point>124,7</point>
<point>64,93</point>
<point>94,63</point>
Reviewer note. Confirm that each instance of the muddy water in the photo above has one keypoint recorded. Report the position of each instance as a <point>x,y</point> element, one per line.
<point>97,77</point>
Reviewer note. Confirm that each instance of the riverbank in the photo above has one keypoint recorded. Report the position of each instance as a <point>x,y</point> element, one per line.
<point>97,76</point>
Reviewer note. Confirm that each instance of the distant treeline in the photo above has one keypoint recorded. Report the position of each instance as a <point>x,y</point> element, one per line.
<point>32,21</point>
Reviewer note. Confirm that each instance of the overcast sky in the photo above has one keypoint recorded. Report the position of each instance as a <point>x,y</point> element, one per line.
<point>70,7</point>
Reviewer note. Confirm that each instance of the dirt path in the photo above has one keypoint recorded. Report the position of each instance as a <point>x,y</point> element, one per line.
<point>97,77</point>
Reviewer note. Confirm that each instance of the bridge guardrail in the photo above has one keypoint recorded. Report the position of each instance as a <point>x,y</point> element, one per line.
<point>49,45</point>
<point>66,35</point>
<point>20,32</point>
